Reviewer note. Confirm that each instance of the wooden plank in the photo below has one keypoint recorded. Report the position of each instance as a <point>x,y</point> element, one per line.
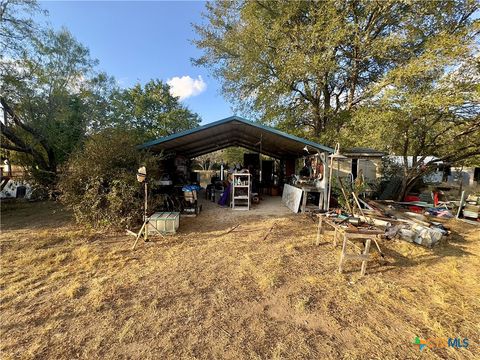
<point>138,236</point>
<point>362,257</point>
<point>356,236</point>
<point>129,232</point>
<point>358,204</point>
<point>269,231</point>
<point>364,263</point>
<point>351,230</point>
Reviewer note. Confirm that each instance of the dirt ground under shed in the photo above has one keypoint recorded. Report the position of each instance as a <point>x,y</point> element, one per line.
<point>205,293</point>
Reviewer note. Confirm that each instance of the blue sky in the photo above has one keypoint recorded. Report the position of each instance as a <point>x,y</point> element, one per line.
<point>138,41</point>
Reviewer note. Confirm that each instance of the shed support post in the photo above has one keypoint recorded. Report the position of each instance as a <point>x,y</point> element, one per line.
<point>326,190</point>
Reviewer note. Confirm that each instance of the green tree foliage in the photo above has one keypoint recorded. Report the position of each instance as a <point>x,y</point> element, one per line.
<point>150,108</point>
<point>208,161</point>
<point>400,76</point>
<point>229,156</point>
<point>49,113</point>
<point>17,28</point>
<point>305,65</point>
<point>234,155</point>
<point>54,97</point>
<point>99,183</point>
<point>63,117</point>
<point>429,107</point>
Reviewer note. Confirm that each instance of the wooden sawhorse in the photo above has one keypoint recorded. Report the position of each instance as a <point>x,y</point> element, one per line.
<point>350,235</point>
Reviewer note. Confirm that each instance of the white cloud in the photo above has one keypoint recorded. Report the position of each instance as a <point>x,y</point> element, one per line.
<point>185,87</point>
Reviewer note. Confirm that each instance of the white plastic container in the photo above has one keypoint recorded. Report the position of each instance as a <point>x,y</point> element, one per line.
<point>165,222</point>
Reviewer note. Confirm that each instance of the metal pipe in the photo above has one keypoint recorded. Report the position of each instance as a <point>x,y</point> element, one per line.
<point>330,183</point>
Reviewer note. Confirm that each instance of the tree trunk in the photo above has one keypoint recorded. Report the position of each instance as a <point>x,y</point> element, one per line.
<point>48,164</point>
<point>318,121</point>
<point>405,179</point>
<point>407,185</point>
<point>326,100</point>
<point>409,180</point>
<point>403,189</point>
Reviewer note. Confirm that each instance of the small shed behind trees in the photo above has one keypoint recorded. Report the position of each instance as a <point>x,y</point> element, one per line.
<point>361,160</point>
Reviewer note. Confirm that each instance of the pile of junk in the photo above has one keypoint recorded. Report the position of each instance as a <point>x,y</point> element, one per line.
<point>392,219</point>
<point>411,220</point>
<point>401,223</point>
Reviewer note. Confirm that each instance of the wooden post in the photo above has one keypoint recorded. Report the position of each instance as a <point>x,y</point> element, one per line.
<point>358,204</point>
<point>364,262</point>
<point>325,189</point>
<point>347,203</point>
<point>320,200</point>
<point>304,200</point>
<point>319,229</point>
<point>462,200</point>
<point>145,215</point>
<point>138,236</point>
<point>329,183</point>
<point>342,255</point>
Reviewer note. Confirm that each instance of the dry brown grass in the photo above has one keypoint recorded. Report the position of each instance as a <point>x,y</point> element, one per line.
<point>69,292</point>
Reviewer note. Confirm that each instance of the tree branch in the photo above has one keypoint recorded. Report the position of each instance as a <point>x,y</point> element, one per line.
<point>51,164</point>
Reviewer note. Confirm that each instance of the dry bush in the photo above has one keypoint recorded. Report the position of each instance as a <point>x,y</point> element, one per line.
<point>99,184</point>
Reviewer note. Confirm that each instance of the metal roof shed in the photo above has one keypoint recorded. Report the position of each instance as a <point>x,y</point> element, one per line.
<point>235,131</point>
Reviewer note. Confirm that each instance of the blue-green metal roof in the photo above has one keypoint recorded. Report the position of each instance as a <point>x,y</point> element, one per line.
<point>234,131</point>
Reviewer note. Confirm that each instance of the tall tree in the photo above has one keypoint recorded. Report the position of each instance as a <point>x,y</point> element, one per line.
<point>306,64</point>
<point>17,27</point>
<point>427,111</point>
<point>42,95</point>
<point>150,108</point>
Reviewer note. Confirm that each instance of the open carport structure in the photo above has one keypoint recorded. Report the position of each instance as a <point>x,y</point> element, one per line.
<point>253,136</point>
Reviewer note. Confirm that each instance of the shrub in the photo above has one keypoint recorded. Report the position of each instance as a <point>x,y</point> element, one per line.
<point>99,182</point>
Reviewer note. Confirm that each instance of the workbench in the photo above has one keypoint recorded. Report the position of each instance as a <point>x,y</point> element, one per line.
<point>349,235</point>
